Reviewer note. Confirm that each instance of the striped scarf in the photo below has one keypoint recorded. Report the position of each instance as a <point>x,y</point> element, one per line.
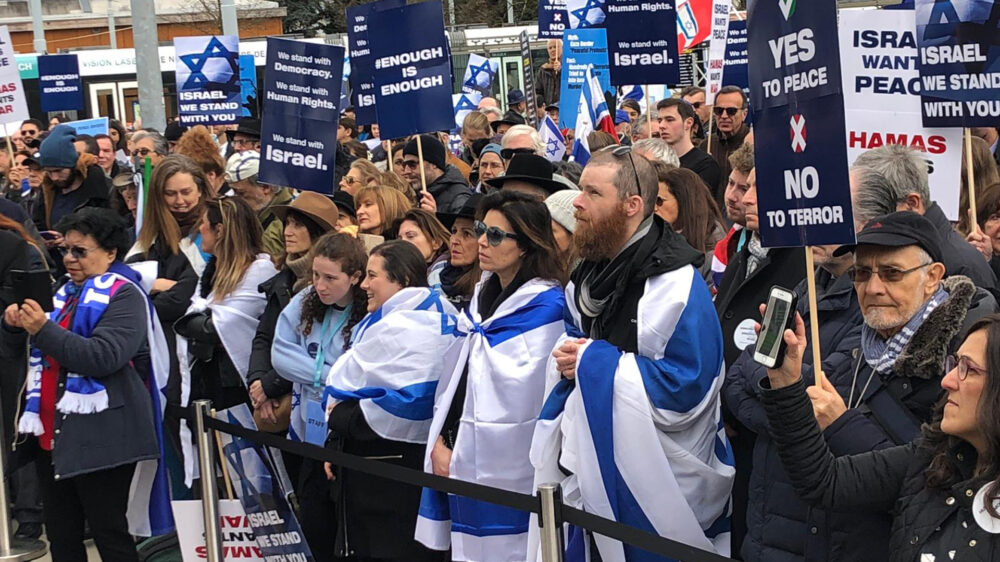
<point>881,354</point>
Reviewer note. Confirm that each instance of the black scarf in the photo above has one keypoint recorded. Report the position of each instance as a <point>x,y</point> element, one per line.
<point>601,283</point>
<point>492,294</point>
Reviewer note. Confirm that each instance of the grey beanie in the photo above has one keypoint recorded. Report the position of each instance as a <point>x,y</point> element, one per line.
<point>560,206</point>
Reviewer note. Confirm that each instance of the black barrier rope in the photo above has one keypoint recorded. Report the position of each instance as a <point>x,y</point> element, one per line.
<point>655,544</point>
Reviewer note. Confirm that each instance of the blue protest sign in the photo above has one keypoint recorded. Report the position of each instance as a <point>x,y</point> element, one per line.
<point>585,13</point>
<point>208,80</point>
<point>479,75</point>
<point>734,71</point>
<point>959,63</point>
<point>639,51</point>
<point>359,50</point>
<point>412,70</point>
<point>801,165</point>
<point>581,48</point>
<point>300,111</point>
<point>59,83</point>
<point>96,126</point>
<point>552,18</point>
<point>248,86</point>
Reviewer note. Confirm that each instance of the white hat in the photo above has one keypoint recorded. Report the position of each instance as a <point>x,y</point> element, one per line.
<point>242,166</point>
<point>560,206</point>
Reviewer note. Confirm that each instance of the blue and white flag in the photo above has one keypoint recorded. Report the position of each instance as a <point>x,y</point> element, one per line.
<point>585,13</point>
<point>504,360</point>
<point>641,434</point>
<point>552,137</point>
<point>395,384</point>
<point>25,187</point>
<point>592,115</point>
<point>632,93</point>
<point>479,75</point>
<point>465,104</point>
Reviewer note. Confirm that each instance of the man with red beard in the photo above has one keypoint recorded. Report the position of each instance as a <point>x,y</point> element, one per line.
<point>639,370</point>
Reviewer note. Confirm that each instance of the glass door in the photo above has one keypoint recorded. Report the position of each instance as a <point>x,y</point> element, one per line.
<point>104,100</point>
<point>128,98</point>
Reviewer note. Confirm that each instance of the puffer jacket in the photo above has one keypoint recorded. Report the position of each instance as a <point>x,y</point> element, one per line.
<point>450,191</point>
<point>926,522</point>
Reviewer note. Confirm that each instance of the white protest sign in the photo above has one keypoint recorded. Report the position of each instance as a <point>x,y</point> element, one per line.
<point>716,49</point>
<point>238,544</point>
<point>13,107</point>
<point>878,54</point>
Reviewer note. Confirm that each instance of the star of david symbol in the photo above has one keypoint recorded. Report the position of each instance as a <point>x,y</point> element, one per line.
<point>195,62</point>
<point>475,71</point>
<point>464,104</point>
<point>553,147</point>
<point>581,14</point>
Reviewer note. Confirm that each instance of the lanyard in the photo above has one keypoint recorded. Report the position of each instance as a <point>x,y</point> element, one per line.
<point>323,333</point>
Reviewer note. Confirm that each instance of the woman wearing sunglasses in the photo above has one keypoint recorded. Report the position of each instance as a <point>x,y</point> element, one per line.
<point>941,490</point>
<point>485,412</point>
<point>361,174</point>
<point>86,398</point>
<point>381,399</point>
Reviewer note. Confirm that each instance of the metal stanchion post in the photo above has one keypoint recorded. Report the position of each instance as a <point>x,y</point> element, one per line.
<point>550,522</point>
<point>209,488</point>
<point>13,549</point>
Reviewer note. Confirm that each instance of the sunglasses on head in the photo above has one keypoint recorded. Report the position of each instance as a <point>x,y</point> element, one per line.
<point>730,111</point>
<point>508,153</point>
<point>627,150</point>
<point>494,234</point>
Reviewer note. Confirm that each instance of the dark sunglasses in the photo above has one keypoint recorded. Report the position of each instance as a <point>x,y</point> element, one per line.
<point>627,150</point>
<point>76,251</point>
<point>494,234</point>
<point>144,151</point>
<point>508,153</point>
<point>730,111</point>
<point>886,274</point>
<point>411,164</point>
<point>697,104</point>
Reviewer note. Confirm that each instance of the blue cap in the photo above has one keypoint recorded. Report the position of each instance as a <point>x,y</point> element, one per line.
<point>492,147</point>
<point>514,97</point>
<point>57,150</point>
<point>621,117</point>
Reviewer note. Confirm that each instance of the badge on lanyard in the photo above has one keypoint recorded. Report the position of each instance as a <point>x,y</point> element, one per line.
<point>315,411</point>
<point>983,518</point>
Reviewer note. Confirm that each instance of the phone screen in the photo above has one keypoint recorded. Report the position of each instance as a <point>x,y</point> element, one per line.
<point>774,322</point>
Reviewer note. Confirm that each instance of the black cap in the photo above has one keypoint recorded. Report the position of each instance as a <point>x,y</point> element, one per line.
<point>468,211</point>
<point>895,230</point>
<point>344,202</point>
<point>529,168</point>
<point>174,131</point>
<point>510,118</point>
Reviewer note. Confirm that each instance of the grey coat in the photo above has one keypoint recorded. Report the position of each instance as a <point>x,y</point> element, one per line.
<point>117,355</point>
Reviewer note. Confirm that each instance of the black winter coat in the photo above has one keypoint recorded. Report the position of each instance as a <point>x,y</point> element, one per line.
<point>547,84</point>
<point>279,291</point>
<point>450,191</point>
<point>958,256</point>
<point>889,481</point>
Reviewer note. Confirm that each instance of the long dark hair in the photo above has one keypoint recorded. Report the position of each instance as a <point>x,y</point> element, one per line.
<point>403,263</point>
<point>435,232</point>
<point>943,471</point>
<point>697,212</point>
<point>350,254</point>
<point>532,224</point>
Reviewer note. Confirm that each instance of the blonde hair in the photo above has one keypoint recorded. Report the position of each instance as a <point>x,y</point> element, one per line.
<point>238,244</point>
<point>157,220</point>
<point>369,173</point>
<point>391,179</point>
<point>391,203</point>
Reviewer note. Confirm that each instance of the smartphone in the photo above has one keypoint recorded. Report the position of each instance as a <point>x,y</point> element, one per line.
<point>35,285</point>
<point>779,316</point>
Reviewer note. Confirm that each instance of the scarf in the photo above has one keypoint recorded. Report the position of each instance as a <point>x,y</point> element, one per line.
<point>602,283</point>
<point>189,220</point>
<point>83,395</point>
<point>757,255</point>
<point>299,264</point>
<point>881,354</point>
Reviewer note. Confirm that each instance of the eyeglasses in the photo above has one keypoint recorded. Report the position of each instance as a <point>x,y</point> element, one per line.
<point>349,180</point>
<point>964,365</point>
<point>77,252</point>
<point>697,104</point>
<point>659,201</point>
<point>627,149</point>
<point>143,152</point>
<point>508,153</point>
<point>29,132</point>
<point>245,142</point>
<point>410,164</point>
<point>886,274</point>
<point>730,111</point>
<point>494,234</point>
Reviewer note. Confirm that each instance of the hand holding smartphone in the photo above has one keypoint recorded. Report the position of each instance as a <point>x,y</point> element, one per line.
<point>35,285</point>
<point>778,317</point>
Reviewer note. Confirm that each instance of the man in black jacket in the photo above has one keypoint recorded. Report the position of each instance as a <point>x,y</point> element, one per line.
<point>444,182</point>
<point>675,119</point>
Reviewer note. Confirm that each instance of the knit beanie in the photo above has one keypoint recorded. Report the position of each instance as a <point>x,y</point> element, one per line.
<point>560,206</point>
<point>432,148</point>
<point>492,147</point>
<point>57,150</point>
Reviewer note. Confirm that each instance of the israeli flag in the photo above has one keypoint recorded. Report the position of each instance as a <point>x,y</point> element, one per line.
<point>585,13</point>
<point>552,137</point>
<point>479,75</point>
<point>464,104</point>
<point>592,114</point>
<point>25,188</point>
<point>632,93</point>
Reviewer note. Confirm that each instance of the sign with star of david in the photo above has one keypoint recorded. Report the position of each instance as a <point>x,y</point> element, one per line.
<point>479,75</point>
<point>585,13</point>
<point>208,80</point>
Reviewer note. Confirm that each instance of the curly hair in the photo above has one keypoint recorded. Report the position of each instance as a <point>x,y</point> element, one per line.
<point>350,254</point>
<point>197,144</point>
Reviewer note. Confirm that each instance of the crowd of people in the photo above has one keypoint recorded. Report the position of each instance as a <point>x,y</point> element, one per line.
<point>491,316</point>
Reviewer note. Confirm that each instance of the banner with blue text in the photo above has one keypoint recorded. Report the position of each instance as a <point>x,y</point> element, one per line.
<point>208,80</point>
<point>638,50</point>
<point>801,162</point>
<point>300,111</point>
<point>734,72</point>
<point>581,48</point>
<point>359,50</point>
<point>412,72</point>
<point>59,83</point>
<point>959,43</point>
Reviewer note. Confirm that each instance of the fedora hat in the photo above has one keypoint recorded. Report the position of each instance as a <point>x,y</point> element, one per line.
<point>467,211</point>
<point>317,207</point>
<point>529,168</point>
<point>247,126</point>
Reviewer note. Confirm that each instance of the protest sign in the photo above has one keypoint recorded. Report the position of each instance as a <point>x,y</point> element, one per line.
<point>734,72</point>
<point>638,50</point>
<point>96,126</point>
<point>255,480</point>
<point>208,80</point>
<point>552,18</point>
<point>412,73</point>
<point>581,48</point>
<point>359,50</point>
<point>694,23</point>
<point>13,107</point>
<point>464,104</point>
<point>801,159</point>
<point>238,544</point>
<point>585,14</point>
<point>878,53</point>
<point>959,63</point>
<point>59,83</point>
<point>249,97</point>
<point>298,132</point>
<point>479,75</point>
<point>715,65</point>
<point>528,76</point>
